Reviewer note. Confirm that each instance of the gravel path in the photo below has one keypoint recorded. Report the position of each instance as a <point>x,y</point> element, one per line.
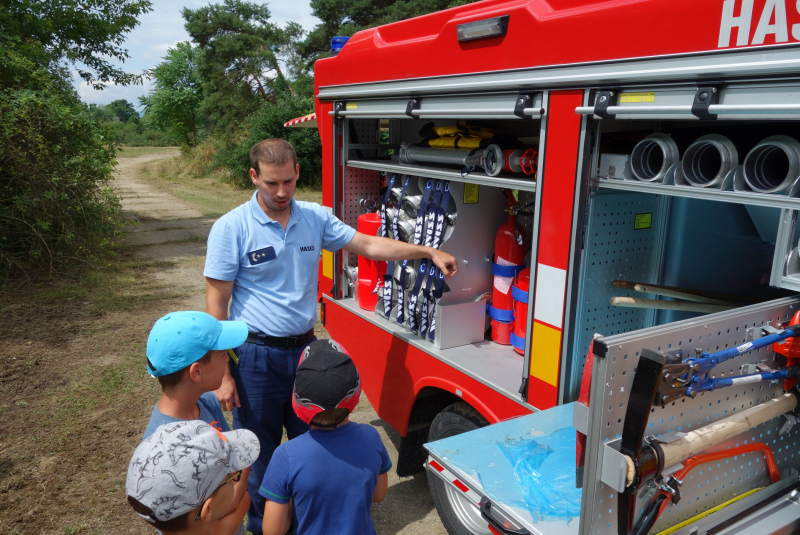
<point>175,231</point>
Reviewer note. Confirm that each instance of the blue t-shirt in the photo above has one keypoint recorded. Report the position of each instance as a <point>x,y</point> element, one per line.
<point>274,271</point>
<point>330,476</point>
<point>210,412</point>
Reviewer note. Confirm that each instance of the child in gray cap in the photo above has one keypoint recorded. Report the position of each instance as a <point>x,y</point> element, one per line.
<point>180,477</point>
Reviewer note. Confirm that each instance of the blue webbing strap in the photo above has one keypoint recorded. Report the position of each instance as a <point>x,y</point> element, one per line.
<point>433,222</point>
<point>437,294</point>
<point>519,295</point>
<point>441,212</point>
<point>499,314</point>
<point>388,278</point>
<point>384,230</point>
<point>423,266</point>
<point>506,271</point>
<point>516,341</point>
<point>418,226</point>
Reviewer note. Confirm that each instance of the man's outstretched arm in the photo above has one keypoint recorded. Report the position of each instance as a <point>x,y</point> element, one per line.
<point>377,248</point>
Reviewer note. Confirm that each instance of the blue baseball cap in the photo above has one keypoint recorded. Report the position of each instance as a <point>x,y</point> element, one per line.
<point>180,339</point>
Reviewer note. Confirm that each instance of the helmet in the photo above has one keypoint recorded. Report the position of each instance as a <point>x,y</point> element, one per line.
<point>326,379</point>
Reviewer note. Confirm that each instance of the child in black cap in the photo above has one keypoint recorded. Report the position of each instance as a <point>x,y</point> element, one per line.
<point>325,481</point>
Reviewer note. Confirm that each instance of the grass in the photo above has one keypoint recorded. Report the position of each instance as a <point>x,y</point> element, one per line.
<point>210,192</point>
<point>130,152</point>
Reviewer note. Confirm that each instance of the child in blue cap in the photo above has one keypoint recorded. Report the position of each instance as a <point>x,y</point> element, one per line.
<point>187,353</point>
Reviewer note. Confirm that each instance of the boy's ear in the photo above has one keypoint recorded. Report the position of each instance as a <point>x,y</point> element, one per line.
<point>206,513</point>
<point>194,372</point>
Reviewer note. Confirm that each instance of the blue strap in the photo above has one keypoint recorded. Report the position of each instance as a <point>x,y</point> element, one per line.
<point>519,295</point>
<point>506,271</point>
<point>516,341</point>
<point>506,316</point>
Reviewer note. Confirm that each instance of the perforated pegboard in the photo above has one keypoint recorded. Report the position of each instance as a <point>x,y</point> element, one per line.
<point>357,183</point>
<point>614,249</point>
<point>712,484</point>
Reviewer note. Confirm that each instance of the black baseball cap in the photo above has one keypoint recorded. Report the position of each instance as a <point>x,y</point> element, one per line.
<point>326,379</point>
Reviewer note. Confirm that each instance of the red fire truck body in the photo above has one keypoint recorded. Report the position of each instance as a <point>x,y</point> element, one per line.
<point>560,59</point>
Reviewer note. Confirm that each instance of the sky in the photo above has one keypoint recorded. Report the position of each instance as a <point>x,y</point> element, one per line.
<point>162,28</point>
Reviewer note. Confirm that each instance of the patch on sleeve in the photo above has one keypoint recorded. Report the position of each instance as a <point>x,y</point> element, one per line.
<point>261,256</point>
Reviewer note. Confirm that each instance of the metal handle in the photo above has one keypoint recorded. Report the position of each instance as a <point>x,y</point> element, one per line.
<point>714,109</point>
<point>486,513</point>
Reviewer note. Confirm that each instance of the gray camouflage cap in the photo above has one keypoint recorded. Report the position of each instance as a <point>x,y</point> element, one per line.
<point>181,464</point>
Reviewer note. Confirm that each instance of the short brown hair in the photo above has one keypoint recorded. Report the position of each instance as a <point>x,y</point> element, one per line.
<point>171,380</point>
<point>329,417</point>
<point>173,524</point>
<point>272,152</point>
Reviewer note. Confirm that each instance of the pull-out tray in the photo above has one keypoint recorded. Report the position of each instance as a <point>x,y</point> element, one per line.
<point>524,466</point>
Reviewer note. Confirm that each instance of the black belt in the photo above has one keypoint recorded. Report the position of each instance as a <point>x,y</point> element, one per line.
<point>285,342</point>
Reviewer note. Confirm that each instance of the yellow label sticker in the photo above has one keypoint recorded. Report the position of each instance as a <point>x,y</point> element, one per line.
<point>637,97</point>
<point>471,193</point>
<point>327,264</point>
<point>351,106</point>
<point>643,221</point>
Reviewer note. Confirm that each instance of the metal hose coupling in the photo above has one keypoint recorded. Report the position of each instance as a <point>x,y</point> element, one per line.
<point>653,156</point>
<point>773,165</point>
<point>706,162</point>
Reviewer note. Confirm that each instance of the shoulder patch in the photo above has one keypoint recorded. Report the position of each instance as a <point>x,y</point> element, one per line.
<point>260,256</point>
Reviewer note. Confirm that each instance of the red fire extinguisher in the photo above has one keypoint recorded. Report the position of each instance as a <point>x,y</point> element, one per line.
<point>510,245</point>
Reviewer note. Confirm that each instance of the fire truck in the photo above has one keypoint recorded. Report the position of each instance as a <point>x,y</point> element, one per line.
<point>618,181</point>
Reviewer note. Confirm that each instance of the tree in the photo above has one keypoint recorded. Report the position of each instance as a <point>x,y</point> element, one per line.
<point>84,33</point>
<point>56,159</point>
<point>346,17</point>
<point>268,122</point>
<point>174,103</point>
<point>240,64</point>
<point>123,110</point>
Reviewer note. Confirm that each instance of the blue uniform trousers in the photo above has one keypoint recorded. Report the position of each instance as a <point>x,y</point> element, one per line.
<point>264,381</point>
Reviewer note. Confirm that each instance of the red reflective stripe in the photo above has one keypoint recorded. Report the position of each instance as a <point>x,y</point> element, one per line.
<point>494,531</point>
<point>436,465</point>
<point>462,487</point>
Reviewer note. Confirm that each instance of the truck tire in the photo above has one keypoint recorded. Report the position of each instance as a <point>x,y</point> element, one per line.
<point>458,515</point>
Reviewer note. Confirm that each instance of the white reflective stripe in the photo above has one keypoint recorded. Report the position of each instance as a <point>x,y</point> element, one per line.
<point>328,209</point>
<point>448,476</point>
<point>551,283</point>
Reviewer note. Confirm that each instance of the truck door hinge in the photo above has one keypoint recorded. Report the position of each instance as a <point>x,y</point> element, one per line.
<point>706,95</point>
<point>523,388</point>
<point>524,100</point>
<point>603,99</point>
<point>411,105</point>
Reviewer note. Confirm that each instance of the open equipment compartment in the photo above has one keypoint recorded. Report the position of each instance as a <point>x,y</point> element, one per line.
<point>374,138</point>
<point>677,201</point>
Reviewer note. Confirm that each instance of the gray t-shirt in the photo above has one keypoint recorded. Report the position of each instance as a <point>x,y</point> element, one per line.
<point>210,412</point>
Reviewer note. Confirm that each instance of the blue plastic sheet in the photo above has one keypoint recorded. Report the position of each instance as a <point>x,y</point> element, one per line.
<point>527,463</point>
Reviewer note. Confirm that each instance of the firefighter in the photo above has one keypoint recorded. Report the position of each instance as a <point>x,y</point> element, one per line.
<point>263,259</point>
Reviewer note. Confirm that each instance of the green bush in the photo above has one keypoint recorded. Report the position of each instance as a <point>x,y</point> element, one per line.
<point>55,166</point>
<point>268,122</point>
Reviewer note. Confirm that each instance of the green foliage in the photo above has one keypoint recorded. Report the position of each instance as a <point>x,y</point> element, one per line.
<point>268,122</point>
<point>123,110</point>
<point>346,17</point>
<point>84,33</point>
<point>174,103</point>
<point>56,158</point>
<point>239,64</point>
<point>55,167</point>
<point>133,132</point>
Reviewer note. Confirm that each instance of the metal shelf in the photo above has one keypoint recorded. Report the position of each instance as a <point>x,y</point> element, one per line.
<point>741,197</point>
<point>493,365</point>
<point>501,181</point>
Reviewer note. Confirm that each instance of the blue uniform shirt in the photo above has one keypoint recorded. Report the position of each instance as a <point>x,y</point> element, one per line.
<point>330,476</point>
<point>274,271</point>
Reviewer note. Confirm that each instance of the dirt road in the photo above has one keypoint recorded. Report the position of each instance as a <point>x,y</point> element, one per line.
<point>174,231</point>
